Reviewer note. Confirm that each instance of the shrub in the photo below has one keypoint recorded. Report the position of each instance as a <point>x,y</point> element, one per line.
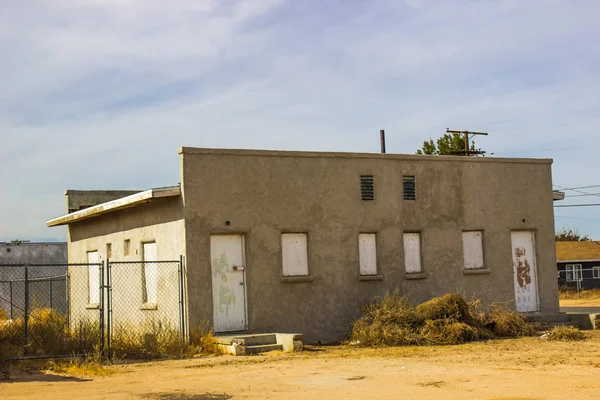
<point>203,339</point>
<point>506,323</point>
<point>566,334</point>
<point>448,319</point>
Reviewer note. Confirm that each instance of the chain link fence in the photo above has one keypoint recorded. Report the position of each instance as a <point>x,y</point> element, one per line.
<point>126,309</point>
<point>145,309</point>
<point>35,311</point>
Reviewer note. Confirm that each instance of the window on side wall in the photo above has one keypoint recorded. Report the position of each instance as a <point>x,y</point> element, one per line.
<point>150,273</point>
<point>294,254</point>
<point>409,187</point>
<point>412,253</point>
<point>573,272</point>
<point>367,253</point>
<point>473,249</point>
<point>596,272</point>
<point>93,277</point>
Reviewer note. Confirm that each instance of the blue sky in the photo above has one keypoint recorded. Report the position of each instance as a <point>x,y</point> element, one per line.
<point>100,94</point>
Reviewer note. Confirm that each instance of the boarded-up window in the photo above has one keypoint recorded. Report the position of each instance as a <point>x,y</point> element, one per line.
<point>108,250</point>
<point>294,251</point>
<point>367,251</point>
<point>126,247</point>
<point>93,277</point>
<point>473,249</point>
<point>150,275</point>
<point>412,252</point>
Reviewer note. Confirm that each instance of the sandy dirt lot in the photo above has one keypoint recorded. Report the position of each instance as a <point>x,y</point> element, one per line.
<point>514,369</point>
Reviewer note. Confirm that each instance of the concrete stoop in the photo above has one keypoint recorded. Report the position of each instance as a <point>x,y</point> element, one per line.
<point>246,344</point>
<point>583,321</point>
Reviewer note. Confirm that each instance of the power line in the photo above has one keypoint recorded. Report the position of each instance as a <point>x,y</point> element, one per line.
<point>582,195</point>
<point>578,205</point>
<point>577,191</point>
<point>585,219</point>
<point>579,187</point>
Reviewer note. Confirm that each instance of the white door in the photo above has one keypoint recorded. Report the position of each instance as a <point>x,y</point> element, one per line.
<point>93,277</point>
<point>150,273</point>
<point>524,270</point>
<point>228,280</point>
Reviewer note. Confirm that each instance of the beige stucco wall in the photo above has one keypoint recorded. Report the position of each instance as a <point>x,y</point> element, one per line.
<point>263,194</point>
<point>159,221</point>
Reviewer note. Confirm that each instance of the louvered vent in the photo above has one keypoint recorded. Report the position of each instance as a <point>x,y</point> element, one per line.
<point>367,192</point>
<point>410,190</point>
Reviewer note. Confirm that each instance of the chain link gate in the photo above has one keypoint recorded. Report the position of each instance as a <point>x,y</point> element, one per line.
<point>144,308</point>
<point>41,317</point>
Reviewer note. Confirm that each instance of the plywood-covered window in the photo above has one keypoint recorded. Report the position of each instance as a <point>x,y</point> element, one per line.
<point>93,277</point>
<point>473,249</point>
<point>367,251</point>
<point>150,273</point>
<point>294,251</point>
<point>412,253</point>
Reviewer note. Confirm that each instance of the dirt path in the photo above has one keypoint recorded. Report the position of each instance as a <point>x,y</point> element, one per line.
<point>580,303</point>
<point>511,369</point>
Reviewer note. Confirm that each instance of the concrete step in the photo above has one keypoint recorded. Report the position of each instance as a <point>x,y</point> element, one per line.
<point>263,348</point>
<point>254,340</point>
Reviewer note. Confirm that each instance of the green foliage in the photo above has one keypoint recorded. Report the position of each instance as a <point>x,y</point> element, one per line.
<point>444,320</point>
<point>570,235</point>
<point>449,144</point>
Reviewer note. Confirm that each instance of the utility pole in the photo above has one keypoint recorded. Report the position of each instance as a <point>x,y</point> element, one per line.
<point>467,151</point>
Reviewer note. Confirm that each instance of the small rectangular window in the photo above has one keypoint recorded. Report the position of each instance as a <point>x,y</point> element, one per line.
<point>93,277</point>
<point>412,253</point>
<point>126,247</point>
<point>596,272</point>
<point>108,250</point>
<point>573,272</point>
<point>409,187</point>
<point>294,252</point>
<point>367,252</point>
<point>473,249</point>
<point>367,191</point>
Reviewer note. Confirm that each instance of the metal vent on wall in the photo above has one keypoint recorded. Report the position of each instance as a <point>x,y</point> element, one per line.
<point>408,185</point>
<point>366,188</point>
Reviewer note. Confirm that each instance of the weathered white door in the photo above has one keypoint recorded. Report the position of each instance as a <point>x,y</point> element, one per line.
<point>150,273</point>
<point>524,270</point>
<point>228,280</point>
<point>93,278</point>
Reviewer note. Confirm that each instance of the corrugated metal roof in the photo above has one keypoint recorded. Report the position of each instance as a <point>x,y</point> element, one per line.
<point>577,251</point>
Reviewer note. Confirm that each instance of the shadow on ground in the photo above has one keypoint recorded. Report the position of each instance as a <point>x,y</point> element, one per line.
<point>185,396</point>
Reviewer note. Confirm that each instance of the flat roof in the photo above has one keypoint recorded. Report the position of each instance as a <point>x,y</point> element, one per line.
<point>386,156</point>
<point>118,204</point>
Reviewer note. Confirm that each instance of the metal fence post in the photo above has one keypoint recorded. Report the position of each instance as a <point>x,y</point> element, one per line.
<point>109,307</point>
<point>67,299</point>
<point>26,313</point>
<point>50,290</point>
<point>11,299</point>
<point>102,307</point>
<point>181,310</point>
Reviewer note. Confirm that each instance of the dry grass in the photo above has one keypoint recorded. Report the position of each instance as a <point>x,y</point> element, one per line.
<point>160,339</point>
<point>82,366</point>
<point>450,319</point>
<point>566,334</point>
<point>571,294</point>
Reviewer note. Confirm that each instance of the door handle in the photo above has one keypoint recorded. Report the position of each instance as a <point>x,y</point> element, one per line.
<point>236,268</point>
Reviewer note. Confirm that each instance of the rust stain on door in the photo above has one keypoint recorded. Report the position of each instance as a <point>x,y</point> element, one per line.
<point>522,267</point>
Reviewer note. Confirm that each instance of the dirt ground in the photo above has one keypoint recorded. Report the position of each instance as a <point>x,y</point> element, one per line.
<point>529,368</point>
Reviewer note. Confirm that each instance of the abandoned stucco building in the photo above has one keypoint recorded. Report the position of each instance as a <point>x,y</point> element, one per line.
<point>278,241</point>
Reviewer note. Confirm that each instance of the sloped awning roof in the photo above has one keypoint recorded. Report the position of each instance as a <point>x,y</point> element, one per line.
<point>114,205</point>
<point>577,251</point>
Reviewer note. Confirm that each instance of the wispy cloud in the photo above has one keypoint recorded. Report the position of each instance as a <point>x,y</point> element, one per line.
<point>99,94</point>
